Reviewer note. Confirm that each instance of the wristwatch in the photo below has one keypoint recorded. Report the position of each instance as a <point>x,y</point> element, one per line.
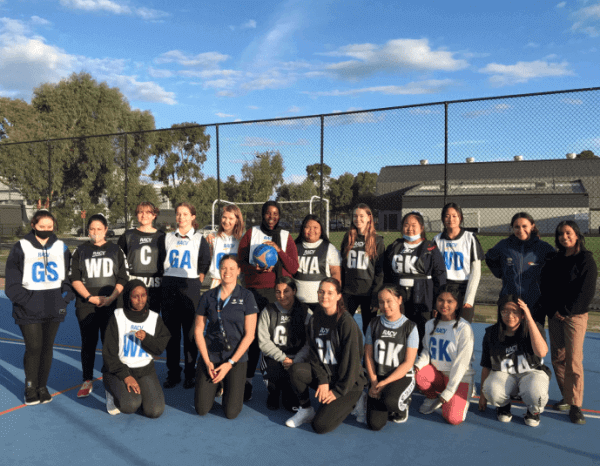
<point>87,300</point>
<point>232,362</point>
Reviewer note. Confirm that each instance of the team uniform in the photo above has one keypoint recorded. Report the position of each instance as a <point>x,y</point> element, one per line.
<point>420,271</point>
<point>389,341</point>
<point>462,257</point>
<point>514,369</point>
<point>281,335</point>
<point>125,355</point>
<point>220,245</point>
<point>234,309</point>
<point>336,351</point>
<point>144,261</point>
<point>314,262</point>
<point>186,257</point>
<point>38,286</point>
<point>444,367</point>
<point>362,278</point>
<point>519,265</point>
<point>100,269</point>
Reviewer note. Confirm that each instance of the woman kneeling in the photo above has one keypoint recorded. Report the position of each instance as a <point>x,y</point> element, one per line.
<point>134,337</point>
<point>512,362</point>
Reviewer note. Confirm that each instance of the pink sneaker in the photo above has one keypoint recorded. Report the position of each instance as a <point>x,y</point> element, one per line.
<point>86,389</point>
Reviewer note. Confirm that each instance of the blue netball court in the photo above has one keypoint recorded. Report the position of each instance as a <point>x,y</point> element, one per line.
<point>80,431</point>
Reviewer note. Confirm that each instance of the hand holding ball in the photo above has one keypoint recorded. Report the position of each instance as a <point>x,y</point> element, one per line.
<point>265,256</point>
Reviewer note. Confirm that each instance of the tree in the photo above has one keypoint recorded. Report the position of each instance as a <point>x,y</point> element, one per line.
<point>179,156</point>
<point>80,173</point>
<point>340,193</point>
<point>313,173</point>
<point>262,176</point>
<point>587,154</point>
<point>364,187</point>
<point>295,192</point>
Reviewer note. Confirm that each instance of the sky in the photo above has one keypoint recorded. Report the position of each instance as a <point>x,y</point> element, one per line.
<point>216,62</point>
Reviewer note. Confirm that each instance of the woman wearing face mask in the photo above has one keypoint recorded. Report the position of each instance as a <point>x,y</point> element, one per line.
<point>37,285</point>
<point>98,274</point>
<point>134,337</point>
<point>518,261</point>
<point>417,266</point>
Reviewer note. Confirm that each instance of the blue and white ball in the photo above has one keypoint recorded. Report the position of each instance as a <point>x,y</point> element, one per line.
<point>265,256</point>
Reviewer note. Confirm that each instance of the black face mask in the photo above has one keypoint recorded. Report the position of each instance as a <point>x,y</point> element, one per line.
<point>45,234</point>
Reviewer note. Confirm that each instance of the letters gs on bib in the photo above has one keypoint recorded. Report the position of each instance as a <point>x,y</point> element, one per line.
<point>43,273</point>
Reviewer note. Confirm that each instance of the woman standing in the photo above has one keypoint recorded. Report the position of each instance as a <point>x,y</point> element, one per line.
<point>417,266</point>
<point>261,282</point>
<point>462,256</point>
<point>98,274</point>
<point>226,241</point>
<point>362,265</point>
<point>134,337</point>
<point>391,346</point>
<point>187,259</point>
<point>444,372</point>
<point>512,362</point>
<point>518,261</point>
<point>335,368</point>
<point>317,259</point>
<point>140,246</point>
<point>282,340</point>
<point>37,285</point>
<point>568,287</point>
<point>231,313</point>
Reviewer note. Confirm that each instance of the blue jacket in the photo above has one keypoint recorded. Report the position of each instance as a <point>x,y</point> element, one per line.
<point>519,265</point>
<point>36,306</point>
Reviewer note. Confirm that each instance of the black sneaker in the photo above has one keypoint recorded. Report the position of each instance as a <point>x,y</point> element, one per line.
<point>31,397</point>
<point>503,413</point>
<point>170,383</point>
<point>532,419</point>
<point>401,417</point>
<point>44,395</point>
<point>576,415</point>
<point>561,405</point>
<point>189,383</point>
<point>248,391</point>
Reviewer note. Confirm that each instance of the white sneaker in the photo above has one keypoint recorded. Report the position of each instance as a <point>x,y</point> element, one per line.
<point>303,415</point>
<point>430,405</point>
<point>360,410</point>
<point>110,404</point>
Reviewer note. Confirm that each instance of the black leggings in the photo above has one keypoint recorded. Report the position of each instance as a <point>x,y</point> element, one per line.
<point>279,380</point>
<point>328,416</point>
<point>89,327</point>
<point>262,296</point>
<point>39,343</point>
<point>352,303</point>
<point>393,399</point>
<point>233,390</point>
<point>151,398</point>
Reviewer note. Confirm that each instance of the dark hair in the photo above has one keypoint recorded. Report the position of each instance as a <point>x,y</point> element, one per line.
<point>338,288</point>
<point>419,218</point>
<point>526,216</point>
<point>40,214</point>
<point>452,290</point>
<point>568,223</point>
<point>396,291</point>
<point>307,219</point>
<point>452,205</point>
<point>192,210</point>
<point>97,217</point>
<point>268,204</point>
<point>128,289</point>
<point>370,234</point>
<point>231,257</point>
<point>153,209</point>
<point>289,281</point>
<point>503,301</point>
<point>238,228</point>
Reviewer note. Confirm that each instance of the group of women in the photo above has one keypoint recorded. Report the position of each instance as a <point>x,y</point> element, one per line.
<point>423,289</point>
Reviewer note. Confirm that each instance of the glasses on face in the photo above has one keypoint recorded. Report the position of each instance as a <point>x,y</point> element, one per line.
<point>508,312</point>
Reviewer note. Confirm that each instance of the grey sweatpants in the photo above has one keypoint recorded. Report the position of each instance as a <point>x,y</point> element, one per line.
<point>531,386</point>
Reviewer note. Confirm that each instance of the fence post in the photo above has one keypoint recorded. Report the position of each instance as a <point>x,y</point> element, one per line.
<point>49,175</point>
<point>322,170</point>
<point>126,185</point>
<point>445,151</point>
<point>218,172</point>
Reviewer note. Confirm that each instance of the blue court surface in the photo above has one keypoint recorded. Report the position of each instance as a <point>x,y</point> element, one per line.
<point>80,431</point>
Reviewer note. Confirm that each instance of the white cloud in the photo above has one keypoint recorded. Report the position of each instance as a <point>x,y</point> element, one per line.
<point>226,94</point>
<point>253,141</point>
<point>144,91</point>
<point>561,5</point>
<point>149,14</point>
<point>431,86</point>
<point>569,101</point>
<point>496,108</point>
<point>205,60</point>
<point>206,74</point>
<point>224,115</point>
<point>522,72</point>
<point>116,8</point>
<point>39,21</point>
<point>253,107</point>
<point>250,24</point>
<point>294,109</point>
<point>586,20</point>
<point>399,55</point>
<point>533,45</point>
<point>159,73</point>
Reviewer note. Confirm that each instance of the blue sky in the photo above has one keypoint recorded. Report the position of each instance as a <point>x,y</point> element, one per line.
<point>214,62</point>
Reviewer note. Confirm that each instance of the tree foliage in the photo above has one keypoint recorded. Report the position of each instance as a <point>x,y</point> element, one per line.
<point>587,154</point>
<point>313,173</point>
<point>340,193</point>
